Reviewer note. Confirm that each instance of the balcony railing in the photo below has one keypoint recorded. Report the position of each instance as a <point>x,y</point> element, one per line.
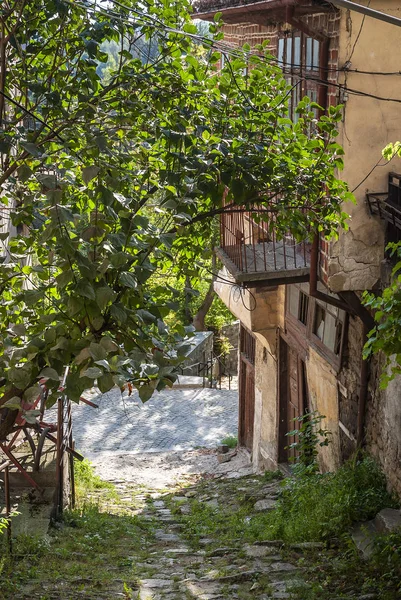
<point>252,252</point>
<point>387,205</point>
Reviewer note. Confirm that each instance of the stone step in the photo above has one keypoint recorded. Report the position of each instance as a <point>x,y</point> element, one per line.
<point>188,382</point>
<point>364,534</point>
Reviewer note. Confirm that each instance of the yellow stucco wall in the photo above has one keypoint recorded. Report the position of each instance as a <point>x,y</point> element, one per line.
<point>368,126</point>
<point>258,310</point>
<point>265,425</point>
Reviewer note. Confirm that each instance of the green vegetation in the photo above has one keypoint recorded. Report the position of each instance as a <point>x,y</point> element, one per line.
<point>98,542</point>
<point>111,181</point>
<point>231,441</point>
<point>322,507</point>
<point>87,481</point>
<point>102,543</point>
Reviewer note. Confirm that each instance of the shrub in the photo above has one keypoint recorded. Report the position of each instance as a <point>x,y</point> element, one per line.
<point>319,507</point>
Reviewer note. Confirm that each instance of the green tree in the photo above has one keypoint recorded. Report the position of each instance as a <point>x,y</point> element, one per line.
<point>84,161</point>
<point>385,336</point>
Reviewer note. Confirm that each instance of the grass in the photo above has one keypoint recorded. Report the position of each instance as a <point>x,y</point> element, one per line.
<point>98,543</point>
<point>86,481</point>
<point>231,441</point>
<point>321,507</point>
<point>101,545</point>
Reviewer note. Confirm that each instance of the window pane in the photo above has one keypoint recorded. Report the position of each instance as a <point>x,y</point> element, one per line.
<point>303,307</point>
<point>309,53</point>
<point>288,57</point>
<point>280,54</point>
<point>316,48</point>
<point>330,331</point>
<point>318,328</point>
<point>297,52</point>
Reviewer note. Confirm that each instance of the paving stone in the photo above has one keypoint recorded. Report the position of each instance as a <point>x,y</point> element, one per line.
<point>256,551</point>
<point>387,520</point>
<point>156,583</point>
<point>200,588</point>
<point>177,551</point>
<point>265,504</point>
<point>363,535</point>
<point>167,537</point>
<point>283,566</point>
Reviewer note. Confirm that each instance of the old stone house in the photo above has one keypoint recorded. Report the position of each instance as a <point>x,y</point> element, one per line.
<point>303,326</point>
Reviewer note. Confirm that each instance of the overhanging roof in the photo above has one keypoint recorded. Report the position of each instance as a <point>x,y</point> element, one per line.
<point>261,11</point>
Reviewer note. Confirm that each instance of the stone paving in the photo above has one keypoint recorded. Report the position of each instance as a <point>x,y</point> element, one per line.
<point>172,420</point>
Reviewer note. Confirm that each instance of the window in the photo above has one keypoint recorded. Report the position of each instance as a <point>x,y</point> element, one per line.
<point>328,326</point>
<point>303,308</point>
<point>319,323</point>
<point>298,304</point>
<point>299,57</point>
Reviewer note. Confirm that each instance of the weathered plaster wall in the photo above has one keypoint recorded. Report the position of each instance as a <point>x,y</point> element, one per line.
<point>368,125</point>
<point>322,387</point>
<point>265,425</point>
<point>265,447</point>
<point>257,309</point>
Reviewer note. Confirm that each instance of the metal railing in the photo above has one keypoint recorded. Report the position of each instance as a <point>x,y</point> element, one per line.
<point>213,369</point>
<point>249,238</point>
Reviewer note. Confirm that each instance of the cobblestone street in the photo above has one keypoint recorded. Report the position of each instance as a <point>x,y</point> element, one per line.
<point>155,442</point>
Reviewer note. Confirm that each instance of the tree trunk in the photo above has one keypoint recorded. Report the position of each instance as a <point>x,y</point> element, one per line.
<point>187,301</point>
<point>199,318</point>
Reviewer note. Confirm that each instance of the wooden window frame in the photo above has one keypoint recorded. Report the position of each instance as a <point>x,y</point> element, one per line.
<point>294,69</point>
<point>304,333</point>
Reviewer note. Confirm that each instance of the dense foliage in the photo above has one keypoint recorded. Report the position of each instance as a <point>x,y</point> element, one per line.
<point>385,336</point>
<point>104,182</point>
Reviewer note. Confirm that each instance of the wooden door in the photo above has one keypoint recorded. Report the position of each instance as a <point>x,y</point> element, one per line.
<point>293,399</point>
<point>246,385</point>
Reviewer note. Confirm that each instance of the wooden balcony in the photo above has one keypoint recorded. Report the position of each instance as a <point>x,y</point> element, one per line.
<point>254,255</point>
<point>387,205</point>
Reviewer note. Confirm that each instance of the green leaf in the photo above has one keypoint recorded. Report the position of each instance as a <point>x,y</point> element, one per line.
<point>146,392</point>
<point>31,416</point>
<point>50,373</point>
<point>31,149</point>
<point>103,363</point>
<point>128,279</point>
<point>89,173</point>
<point>82,356</point>
<point>104,295</point>
<point>14,403</point>
<point>32,394</point>
<point>97,351</point>
<point>105,383</point>
<point>119,313</point>
<point>24,173</point>
<point>108,344</point>
<point>92,373</point>
<point>84,288</point>
<point>19,376</point>
<point>146,316</point>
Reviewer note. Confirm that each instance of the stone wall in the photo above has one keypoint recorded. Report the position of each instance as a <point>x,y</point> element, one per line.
<point>383,425</point>
<point>231,332</point>
<point>348,387</point>
<point>202,350</point>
